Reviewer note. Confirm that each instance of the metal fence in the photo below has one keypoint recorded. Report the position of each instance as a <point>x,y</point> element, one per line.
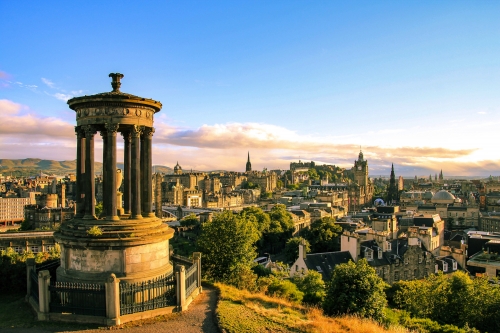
<point>78,298</point>
<point>147,295</point>
<point>191,279</point>
<point>34,285</point>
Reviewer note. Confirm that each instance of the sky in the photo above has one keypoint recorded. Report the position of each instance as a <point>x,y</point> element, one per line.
<point>410,83</point>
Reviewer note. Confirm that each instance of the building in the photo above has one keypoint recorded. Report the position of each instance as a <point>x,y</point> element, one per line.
<point>12,209</point>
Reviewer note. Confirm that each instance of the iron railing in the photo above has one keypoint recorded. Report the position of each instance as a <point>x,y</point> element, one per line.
<point>34,285</point>
<point>78,298</point>
<point>191,279</point>
<point>147,295</point>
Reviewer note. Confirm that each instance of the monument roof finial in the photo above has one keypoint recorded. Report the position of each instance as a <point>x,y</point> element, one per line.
<point>116,81</point>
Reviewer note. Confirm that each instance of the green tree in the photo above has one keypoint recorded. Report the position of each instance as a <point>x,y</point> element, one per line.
<point>227,243</point>
<point>190,221</point>
<point>355,289</point>
<point>313,287</point>
<point>291,250</point>
<point>323,235</point>
<point>313,174</point>
<point>281,227</point>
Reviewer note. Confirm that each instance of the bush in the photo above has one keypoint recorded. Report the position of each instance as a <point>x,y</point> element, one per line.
<point>285,289</point>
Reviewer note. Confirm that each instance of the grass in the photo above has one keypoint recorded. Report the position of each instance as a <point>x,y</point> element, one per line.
<point>16,313</point>
<point>242,311</point>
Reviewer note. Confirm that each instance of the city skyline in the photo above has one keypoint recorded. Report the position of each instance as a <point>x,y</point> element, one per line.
<point>414,84</point>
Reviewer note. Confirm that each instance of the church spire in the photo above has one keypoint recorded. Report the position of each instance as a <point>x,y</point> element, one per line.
<point>249,165</point>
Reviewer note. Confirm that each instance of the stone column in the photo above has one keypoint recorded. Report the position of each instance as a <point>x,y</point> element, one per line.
<point>43,294</point>
<point>90,131</point>
<point>105,194</point>
<point>112,286</point>
<point>80,172</point>
<point>147,172</point>
<point>126,172</point>
<point>135,173</point>
<point>110,165</point>
<point>181,287</point>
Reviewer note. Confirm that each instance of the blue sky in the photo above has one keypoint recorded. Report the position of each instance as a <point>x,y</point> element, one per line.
<point>413,83</point>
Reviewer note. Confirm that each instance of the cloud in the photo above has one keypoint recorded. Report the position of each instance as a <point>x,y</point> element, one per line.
<point>482,112</point>
<point>48,82</point>
<point>62,97</point>
<point>224,146</point>
<point>23,126</point>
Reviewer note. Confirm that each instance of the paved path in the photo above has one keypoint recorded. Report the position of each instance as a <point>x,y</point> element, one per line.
<point>200,317</point>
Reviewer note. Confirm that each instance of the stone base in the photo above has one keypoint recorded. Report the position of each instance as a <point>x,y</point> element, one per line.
<point>134,250</point>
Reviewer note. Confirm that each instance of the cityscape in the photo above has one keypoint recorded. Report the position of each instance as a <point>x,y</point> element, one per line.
<point>320,167</point>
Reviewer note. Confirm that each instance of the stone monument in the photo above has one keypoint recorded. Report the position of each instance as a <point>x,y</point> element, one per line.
<point>129,241</point>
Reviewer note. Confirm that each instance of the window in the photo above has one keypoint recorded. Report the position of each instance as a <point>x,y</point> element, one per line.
<point>18,249</point>
<point>436,268</point>
<point>396,276</point>
<point>415,273</point>
<point>389,246</point>
<point>420,259</point>
<point>406,275</point>
<point>34,249</point>
<point>380,254</point>
<point>454,265</point>
<point>445,267</point>
<point>369,254</point>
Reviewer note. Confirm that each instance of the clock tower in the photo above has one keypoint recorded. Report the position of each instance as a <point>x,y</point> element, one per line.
<point>361,170</point>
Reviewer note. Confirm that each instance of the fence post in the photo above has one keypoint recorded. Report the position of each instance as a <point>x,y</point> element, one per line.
<point>112,286</point>
<point>43,294</point>
<point>197,261</point>
<point>181,287</point>
<point>30,265</point>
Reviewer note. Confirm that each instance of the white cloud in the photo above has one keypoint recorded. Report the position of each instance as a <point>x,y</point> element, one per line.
<point>48,82</point>
<point>63,97</point>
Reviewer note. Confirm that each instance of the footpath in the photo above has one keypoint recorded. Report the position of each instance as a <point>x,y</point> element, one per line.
<point>200,317</point>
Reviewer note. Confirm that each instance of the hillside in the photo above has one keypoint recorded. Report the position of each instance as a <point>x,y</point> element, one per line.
<point>33,166</point>
<point>242,311</point>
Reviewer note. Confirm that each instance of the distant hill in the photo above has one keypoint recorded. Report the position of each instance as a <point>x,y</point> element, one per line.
<point>33,166</point>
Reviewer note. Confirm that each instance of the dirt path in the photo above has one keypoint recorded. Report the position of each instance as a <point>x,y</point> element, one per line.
<point>200,317</point>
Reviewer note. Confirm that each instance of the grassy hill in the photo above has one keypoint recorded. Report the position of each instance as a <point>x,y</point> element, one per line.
<point>242,311</point>
<point>33,166</point>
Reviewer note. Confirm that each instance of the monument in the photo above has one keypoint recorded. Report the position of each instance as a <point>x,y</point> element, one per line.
<point>127,240</point>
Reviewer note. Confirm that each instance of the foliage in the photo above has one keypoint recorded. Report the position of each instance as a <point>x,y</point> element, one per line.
<point>190,221</point>
<point>422,325</point>
<point>292,187</point>
<point>249,185</point>
<point>25,226</point>
<point>455,299</point>
<point>94,231</point>
<point>227,243</point>
<point>284,289</point>
<point>291,250</point>
<point>313,174</point>
<point>355,289</point>
<point>313,287</point>
<point>323,235</point>
<point>99,208</point>
<point>266,195</point>
<point>243,311</point>
<point>281,227</point>
<point>262,222</point>
<point>13,267</point>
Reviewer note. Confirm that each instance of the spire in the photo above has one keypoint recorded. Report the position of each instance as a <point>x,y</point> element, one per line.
<point>249,165</point>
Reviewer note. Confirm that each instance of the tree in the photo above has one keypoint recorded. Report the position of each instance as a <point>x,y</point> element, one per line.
<point>323,235</point>
<point>355,289</point>
<point>313,287</point>
<point>227,243</point>
<point>190,221</point>
<point>292,248</point>
<point>281,227</point>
